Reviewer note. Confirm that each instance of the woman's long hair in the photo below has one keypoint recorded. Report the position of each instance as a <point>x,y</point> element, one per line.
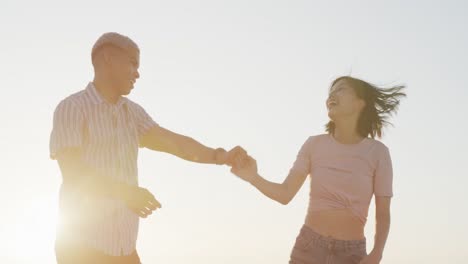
<point>380,104</point>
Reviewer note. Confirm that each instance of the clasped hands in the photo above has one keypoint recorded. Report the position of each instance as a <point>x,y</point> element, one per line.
<point>242,165</point>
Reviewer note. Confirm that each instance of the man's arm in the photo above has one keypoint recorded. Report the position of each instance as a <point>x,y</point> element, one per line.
<point>80,177</point>
<point>161,139</point>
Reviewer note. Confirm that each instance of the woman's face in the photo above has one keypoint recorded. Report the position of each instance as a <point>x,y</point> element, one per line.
<point>343,101</point>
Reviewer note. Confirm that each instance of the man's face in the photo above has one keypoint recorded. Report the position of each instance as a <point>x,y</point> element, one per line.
<point>124,69</point>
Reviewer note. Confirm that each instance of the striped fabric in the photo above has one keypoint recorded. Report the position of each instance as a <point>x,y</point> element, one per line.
<point>108,135</point>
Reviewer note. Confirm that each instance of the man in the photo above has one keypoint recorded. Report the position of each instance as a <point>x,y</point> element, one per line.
<point>95,139</point>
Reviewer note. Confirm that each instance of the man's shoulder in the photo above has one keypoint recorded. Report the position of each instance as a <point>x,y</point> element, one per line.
<point>138,112</point>
<point>134,105</point>
<point>76,99</point>
<point>77,96</point>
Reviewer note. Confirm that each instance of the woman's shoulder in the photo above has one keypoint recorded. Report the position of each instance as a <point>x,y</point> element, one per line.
<point>377,144</point>
<point>320,137</point>
<point>378,148</point>
<point>315,140</point>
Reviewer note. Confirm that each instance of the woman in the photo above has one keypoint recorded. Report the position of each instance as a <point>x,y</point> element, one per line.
<point>347,166</point>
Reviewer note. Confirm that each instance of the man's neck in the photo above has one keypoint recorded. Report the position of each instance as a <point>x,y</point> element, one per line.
<point>106,90</point>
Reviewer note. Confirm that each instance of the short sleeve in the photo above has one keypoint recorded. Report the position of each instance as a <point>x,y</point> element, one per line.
<point>68,128</point>
<point>383,178</point>
<point>143,120</point>
<point>303,160</point>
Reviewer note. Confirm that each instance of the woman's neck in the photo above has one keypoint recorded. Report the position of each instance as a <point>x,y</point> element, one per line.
<point>346,132</point>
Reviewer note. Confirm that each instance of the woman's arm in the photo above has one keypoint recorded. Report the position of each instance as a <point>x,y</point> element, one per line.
<point>280,192</point>
<point>382,217</point>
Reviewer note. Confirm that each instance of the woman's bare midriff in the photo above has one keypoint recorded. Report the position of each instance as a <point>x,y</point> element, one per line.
<point>339,224</point>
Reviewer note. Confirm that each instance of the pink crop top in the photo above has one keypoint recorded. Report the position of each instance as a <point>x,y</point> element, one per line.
<point>345,176</point>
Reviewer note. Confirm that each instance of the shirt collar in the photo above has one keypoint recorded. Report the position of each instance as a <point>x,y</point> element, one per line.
<point>96,98</point>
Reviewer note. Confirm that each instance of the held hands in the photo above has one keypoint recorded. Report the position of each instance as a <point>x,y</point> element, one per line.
<point>234,156</point>
<point>242,165</point>
<point>247,170</point>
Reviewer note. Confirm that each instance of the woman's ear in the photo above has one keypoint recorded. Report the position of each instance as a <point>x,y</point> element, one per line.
<point>361,104</point>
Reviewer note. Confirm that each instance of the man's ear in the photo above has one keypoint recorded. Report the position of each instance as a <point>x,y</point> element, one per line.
<point>107,56</point>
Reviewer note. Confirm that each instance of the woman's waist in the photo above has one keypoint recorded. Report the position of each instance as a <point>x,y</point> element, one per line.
<point>334,202</point>
<point>336,223</point>
<point>310,235</point>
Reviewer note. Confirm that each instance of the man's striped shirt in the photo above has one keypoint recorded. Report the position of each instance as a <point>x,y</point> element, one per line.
<point>108,135</point>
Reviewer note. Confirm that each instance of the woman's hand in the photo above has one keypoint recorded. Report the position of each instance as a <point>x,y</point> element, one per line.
<point>246,169</point>
<point>372,258</point>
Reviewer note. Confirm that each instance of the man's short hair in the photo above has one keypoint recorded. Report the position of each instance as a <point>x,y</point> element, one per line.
<point>114,39</point>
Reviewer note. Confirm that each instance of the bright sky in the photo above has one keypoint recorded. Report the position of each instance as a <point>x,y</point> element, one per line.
<point>252,73</point>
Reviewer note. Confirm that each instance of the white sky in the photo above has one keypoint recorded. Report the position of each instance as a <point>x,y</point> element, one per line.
<point>251,73</point>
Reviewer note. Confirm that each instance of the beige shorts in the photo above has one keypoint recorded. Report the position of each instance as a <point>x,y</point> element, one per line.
<point>313,248</point>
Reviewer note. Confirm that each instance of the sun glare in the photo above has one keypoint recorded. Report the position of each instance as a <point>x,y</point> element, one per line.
<point>33,231</point>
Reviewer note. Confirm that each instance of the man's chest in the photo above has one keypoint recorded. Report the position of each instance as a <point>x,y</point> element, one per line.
<point>111,128</point>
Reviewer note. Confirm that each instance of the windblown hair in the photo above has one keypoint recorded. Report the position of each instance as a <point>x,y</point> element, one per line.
<point>380,105</point>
